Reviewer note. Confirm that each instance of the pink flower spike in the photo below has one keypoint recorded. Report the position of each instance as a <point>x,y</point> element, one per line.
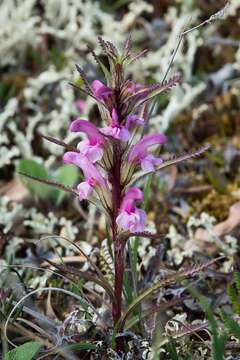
<point>90,172</point>
<point>139,151</point>
<point>133,119</point>
<point>100,90</point>
<point>131,218</point>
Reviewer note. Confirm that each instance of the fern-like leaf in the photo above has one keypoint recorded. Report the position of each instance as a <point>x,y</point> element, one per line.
<point>237,281</point>
<point>84,78</point>
<point>230,324</point>
<point>87,93</point>
<point>137,56</point>
<point>234,299</point>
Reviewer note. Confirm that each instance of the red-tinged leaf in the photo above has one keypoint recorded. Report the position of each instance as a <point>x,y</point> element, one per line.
<point>173,161</point>
<point>87,93</point>
<point>112,48</point>
<point>136,57</point>
<point>166,86</point>
<point>51,183</point>
<point>59,142</point>
<point>162,306</point>
<point>126,48</point>
<point>102,66</point>
<point>105,49</point>
<point>84,78</point>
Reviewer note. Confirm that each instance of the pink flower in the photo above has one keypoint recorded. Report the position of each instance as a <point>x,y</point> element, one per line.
<point>90,172</point>
<point>115,130</point>
<point>139,152</point>
<point>131,218</point>
<point>134,119</point>
<point>101,90</point>
<point>91,148</point>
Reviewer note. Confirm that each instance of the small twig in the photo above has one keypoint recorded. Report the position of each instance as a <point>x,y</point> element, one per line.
<point>212,18</point>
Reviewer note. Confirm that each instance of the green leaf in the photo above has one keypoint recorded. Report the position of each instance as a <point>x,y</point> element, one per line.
<point>25,351</point>
<point>230,324</point>
<point>66,175</point>
<point>172,349</point>
<point>35,169</point>
<point>80,347</point>
<point>79,82</point>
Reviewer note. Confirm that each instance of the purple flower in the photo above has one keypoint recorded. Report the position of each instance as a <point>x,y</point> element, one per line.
<point>131,218</point>
<point>101,90</point>
<point>90,172</point>
<point>139,152</point>
<point>134,119</point>
<point>115,130</point>
<point>91,148</point>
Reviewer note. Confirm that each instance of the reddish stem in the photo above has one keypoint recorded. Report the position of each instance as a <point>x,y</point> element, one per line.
<point>118,246</point>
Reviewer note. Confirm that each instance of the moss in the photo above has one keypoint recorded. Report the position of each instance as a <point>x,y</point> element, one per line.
<point>215,204</point>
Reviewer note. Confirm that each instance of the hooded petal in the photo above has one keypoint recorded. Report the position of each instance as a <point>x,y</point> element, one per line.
<point>100,89</point>
<point>139,150</point>
<point>90,129</point>
<point>89,170</point>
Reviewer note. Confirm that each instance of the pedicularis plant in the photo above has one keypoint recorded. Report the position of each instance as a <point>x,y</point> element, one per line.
<point>115,156</point>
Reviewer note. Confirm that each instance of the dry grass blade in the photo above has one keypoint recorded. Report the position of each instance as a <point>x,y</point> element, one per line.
<point>74,271</point>
<point>40,290</point>
<point>98,271</point>
<point>164,282</point>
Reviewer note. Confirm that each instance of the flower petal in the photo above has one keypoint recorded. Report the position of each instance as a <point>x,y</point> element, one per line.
<point>92,152</point>
<point>84,189</point>
<point>90,129</point>
<point>140,148</point>
<point>100,89</point>
<point>148,163</point>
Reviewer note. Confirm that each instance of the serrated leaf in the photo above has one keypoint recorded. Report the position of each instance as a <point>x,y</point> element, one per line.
<point>173,161</point>
<point>66,175</point>
<point>230,324</point>
<point>35,169</point>
<point>25,351</point>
